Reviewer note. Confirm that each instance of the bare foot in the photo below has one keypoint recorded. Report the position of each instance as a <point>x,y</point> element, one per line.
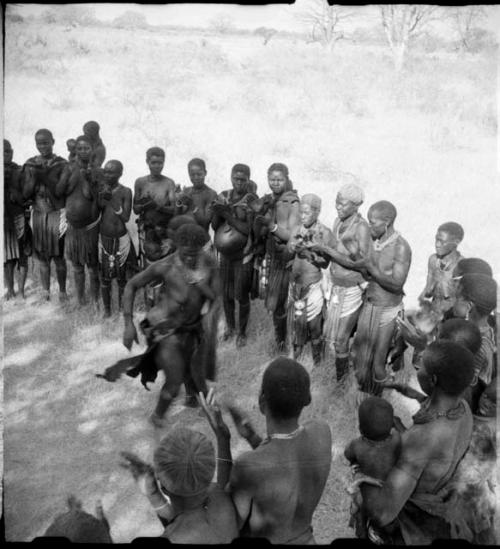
<point>63,297</point>
<point>10,295</point>
<point>241,340</point>
<point>156,421</point>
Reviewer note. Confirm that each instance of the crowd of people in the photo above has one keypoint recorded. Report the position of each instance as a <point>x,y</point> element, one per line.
<point>203,255</point>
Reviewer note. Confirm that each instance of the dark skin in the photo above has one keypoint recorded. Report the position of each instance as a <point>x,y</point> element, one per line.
<point>13,206</point>
<point>276,509</point>
<point>155,192</point>
<point>237,217</point>
<point>116,203</point>
<point>201,195</point>
<point>387,274</point>
<point>427,452</point>
<point>40,185</point>
<point>265,221</point>
<point>40,180</point>
<point>79,184</point>
<point>358,244</point>
<point>218,511</point>
<point>180,305</point>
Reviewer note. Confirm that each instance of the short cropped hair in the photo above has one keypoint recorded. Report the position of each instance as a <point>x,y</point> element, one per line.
<point>197,162</point>
<point>472,265</point>
<point>191,235</point>
<point>453,229</point>
<point>386,209</point>
<point>84,138</point>
<point>286,388</point>
<point>481,290</point>
<point>155,151</point>
<point>243,168</point>
<point>376,417</point>
<point>180,220</point>
<point>461,331</point>
<point>45,132</point>
<point>452,364</point>
<point>7,145</point>
<point>117,163</point>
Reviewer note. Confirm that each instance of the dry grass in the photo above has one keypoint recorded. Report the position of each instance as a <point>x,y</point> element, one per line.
<point>424,140</point>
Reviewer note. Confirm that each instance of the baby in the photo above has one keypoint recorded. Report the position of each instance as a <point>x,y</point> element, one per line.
<point>375,452</point>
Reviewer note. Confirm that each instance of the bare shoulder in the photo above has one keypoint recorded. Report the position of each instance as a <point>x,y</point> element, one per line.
<point>123,190</point>
<point>140,181</point>
<point>402,245</point>
<point>318,428</point>
<point>170,183</point>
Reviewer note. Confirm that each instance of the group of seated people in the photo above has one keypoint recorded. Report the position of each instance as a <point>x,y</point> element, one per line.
<point>339,289</point>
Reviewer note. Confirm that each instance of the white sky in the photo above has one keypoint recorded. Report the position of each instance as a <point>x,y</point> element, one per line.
<point>278,16</point>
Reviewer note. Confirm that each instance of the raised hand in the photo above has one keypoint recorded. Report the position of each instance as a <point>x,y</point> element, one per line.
<point>213,413</point>
<point>142,472</point>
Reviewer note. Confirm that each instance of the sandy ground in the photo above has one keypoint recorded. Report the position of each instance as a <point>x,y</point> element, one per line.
<point>424,139</point>
<point>64,428</point>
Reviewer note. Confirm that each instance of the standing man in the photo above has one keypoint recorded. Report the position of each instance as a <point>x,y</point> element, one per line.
<point>79,184</point>
<point>306,296</point>
<point>17,232</point>
<point>387,268</point>
<point>277,486</point>
<point>351,241</point>
<point>116,250</point>
<point>232,224</point>
<point>201,195</point>
<point>39,180</point>
<point>91,130</point>
<point>278,216</point>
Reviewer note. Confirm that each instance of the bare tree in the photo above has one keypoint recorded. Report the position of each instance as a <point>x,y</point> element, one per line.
<point>222,23</point>
<point>325,21</point>
<point>464,20</point>
<point>266,33</point>
<point>402,23</point>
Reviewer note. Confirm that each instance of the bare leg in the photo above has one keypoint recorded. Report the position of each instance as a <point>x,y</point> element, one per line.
<point>8,273</point>
<point>169,358</point>
<point>61,272</point>
<point>106,296</point>
<point>23,273</point>
<point>280,321</point>
<point>45,276</point>
<point>244,314</point>
<point>229,311</point>
<point>94,282</point>
<point>342,336</point>
<point>316,332</point>
<point>384,337</point>
<point>80,282</point>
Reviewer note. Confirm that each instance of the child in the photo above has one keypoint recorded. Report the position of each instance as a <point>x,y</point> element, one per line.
<point>376,452</point>
<point>440,289</point>
<point>71,146</point>
<point>457,330</point>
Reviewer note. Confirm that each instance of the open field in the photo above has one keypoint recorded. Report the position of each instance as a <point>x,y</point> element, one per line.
<point>425,140</point>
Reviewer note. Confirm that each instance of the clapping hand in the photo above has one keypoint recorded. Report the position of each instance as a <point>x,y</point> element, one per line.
<point>142,472</point>
<point>212,412</point>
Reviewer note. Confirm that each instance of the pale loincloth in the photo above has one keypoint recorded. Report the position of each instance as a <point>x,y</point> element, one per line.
<point>343,302</point>
<point>304,305</point>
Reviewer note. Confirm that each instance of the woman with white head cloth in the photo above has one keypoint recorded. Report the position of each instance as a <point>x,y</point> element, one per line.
<point>351,240</point>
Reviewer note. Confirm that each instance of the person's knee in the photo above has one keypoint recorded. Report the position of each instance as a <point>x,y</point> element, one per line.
<point>78,268</point>
<point>106,282</point>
